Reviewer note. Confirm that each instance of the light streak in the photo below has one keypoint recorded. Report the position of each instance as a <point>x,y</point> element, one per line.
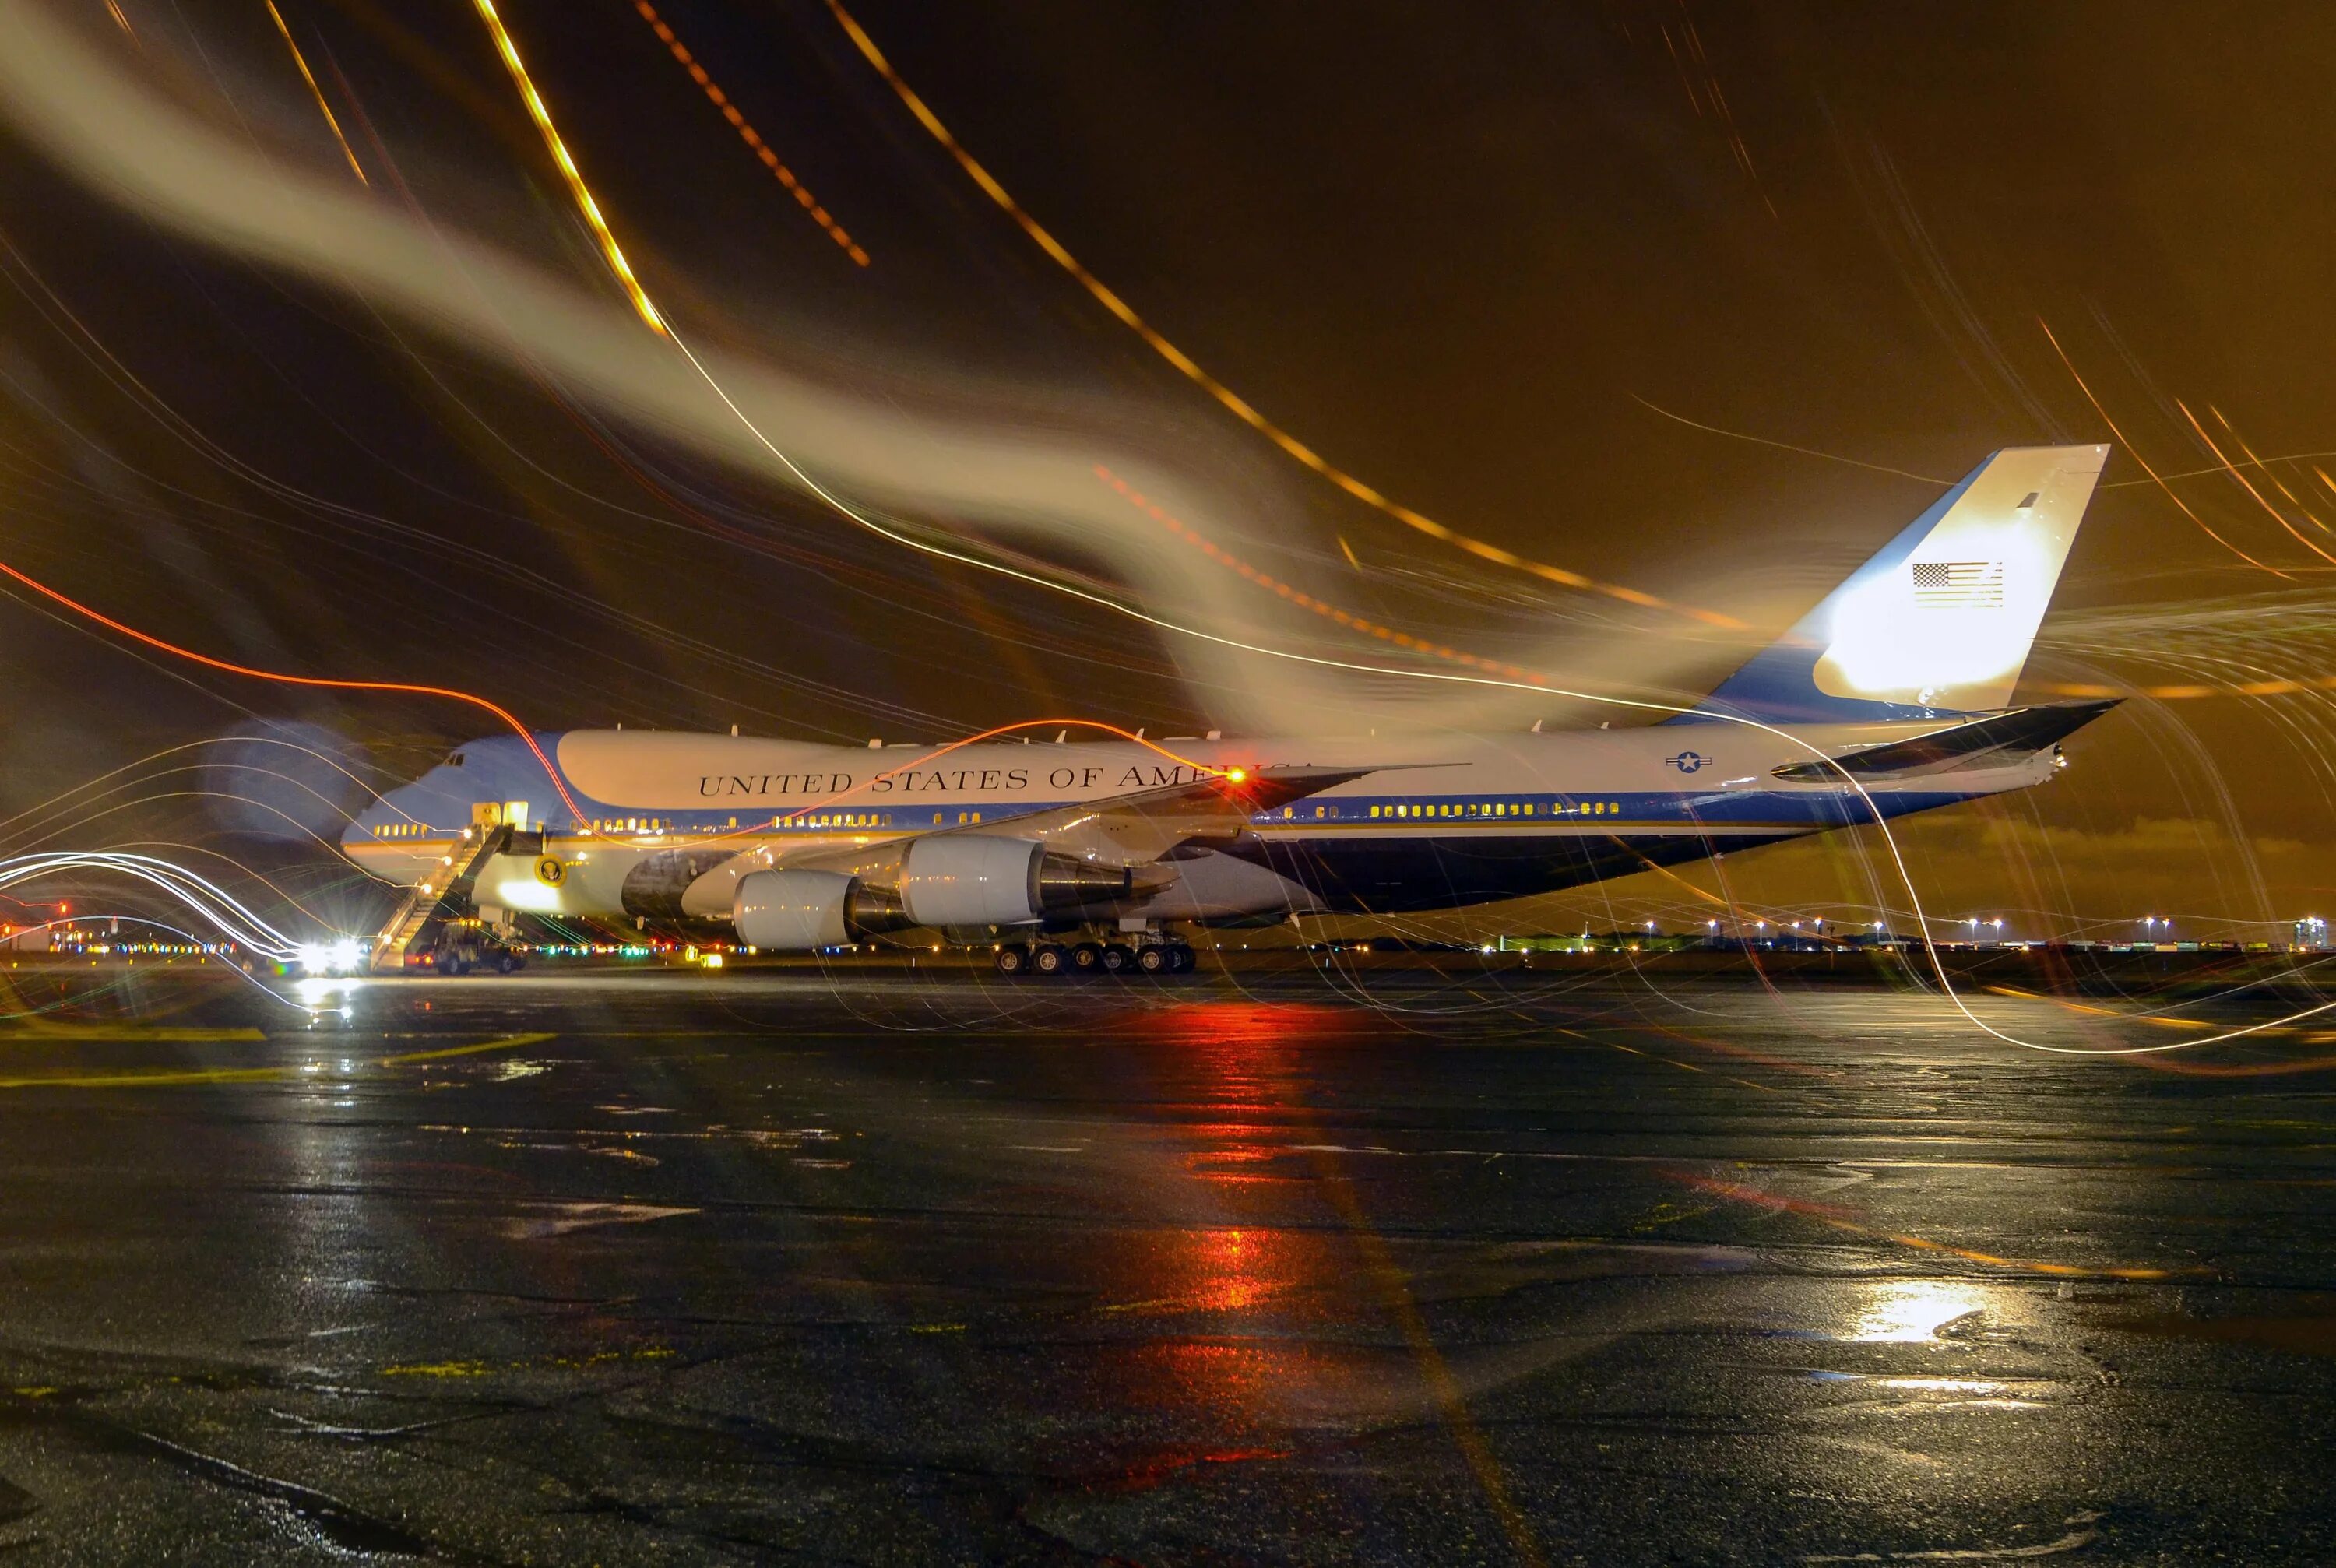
<point>2124,440</point>
<point>2281,687</point>
<point>1787,445</point>
<point>305,75</point>
<point>2253,461</point>
<point>223,910</point>
<point>1826,1214</point>
<point>1233,401</point>
<point>2276,515</point>
<point>748,134</point>
<point>329,682</point>
<point>1299,597</point>
<point>575,178</point>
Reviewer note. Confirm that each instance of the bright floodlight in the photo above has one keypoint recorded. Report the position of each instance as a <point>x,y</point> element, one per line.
<point>340,956</point>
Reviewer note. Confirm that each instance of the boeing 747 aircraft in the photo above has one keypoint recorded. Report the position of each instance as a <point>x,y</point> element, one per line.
<point>1892,696</point>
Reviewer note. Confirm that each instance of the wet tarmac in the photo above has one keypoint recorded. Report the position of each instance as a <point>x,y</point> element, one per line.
<point>891,1268</point>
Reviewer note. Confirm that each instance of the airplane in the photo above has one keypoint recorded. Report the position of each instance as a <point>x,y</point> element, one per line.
<point>1893,695</point>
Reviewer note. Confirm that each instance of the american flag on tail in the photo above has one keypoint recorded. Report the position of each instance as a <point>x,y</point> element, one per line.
<point>1958,584</point>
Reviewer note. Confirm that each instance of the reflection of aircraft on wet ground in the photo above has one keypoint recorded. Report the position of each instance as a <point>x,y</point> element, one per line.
<point>1890,696</point>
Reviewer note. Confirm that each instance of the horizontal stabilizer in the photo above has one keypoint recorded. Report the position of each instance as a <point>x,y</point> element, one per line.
<point>2023,732</point>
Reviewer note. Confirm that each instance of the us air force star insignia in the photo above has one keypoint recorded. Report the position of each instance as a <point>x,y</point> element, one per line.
<point>1688,761</point>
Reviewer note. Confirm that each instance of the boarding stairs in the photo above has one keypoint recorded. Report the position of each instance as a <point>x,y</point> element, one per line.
<point>445,895</point>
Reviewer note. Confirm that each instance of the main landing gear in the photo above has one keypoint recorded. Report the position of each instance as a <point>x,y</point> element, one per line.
<point>1089,957</point>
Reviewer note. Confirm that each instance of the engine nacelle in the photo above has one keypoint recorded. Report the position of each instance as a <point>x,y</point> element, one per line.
<point>948,881</point>
<point>792,911</point>
<point>976,880</point>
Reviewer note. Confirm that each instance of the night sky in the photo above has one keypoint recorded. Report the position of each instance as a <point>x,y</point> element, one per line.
<point>1456,251</point>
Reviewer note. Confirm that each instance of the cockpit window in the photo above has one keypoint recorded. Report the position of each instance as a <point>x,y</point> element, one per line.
<point>455,760</point>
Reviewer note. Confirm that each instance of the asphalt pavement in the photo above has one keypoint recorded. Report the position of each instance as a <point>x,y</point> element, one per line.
<point>883,1267</point>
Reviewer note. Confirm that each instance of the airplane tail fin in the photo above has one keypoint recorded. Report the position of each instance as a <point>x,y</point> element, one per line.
<point>1940,622</point>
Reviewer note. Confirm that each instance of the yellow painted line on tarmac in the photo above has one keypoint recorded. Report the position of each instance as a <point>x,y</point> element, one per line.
<point>34,1031</point>
<point>137,1080</point>
<point>2103,1012</point>
<point>170,1078</point>
<point>558,1363</point>
<point>507,1043</point>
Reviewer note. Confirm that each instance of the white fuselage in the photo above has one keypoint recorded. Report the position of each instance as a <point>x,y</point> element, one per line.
<point>649,823</point>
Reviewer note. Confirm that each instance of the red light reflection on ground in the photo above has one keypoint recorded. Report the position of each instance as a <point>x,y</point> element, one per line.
<point>1269,1247</point>
<point>1247,1023</point>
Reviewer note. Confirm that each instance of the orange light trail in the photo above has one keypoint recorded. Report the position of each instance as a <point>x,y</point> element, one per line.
<point>333,683</point>
<point>575,178</point>
<point>2276,515</point>
<point>748,134</point>
<point>1233,401</point>
<point>1299,597</point>
<point>306,76</point>
<point>2284,688</point>
<point>1825,1214</point>
<point>2126,443</point>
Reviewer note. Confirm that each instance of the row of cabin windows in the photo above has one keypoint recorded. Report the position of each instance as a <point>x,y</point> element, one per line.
<point>665,824</point>
<point>1496,809</point>
<point>1478,809</point>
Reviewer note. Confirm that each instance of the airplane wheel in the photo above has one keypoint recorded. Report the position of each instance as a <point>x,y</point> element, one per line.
<point>1013,960</point>
<point>1180,957</point>
<point>1153,960</point>
<point>1117,960</point>
<point>1048,959</point>
<point>1088,958</point>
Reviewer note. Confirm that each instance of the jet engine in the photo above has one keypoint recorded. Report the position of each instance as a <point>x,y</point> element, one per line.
<point>950,881</point>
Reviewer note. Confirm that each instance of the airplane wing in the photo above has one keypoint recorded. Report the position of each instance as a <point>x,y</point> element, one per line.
<point>1136,828</point>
